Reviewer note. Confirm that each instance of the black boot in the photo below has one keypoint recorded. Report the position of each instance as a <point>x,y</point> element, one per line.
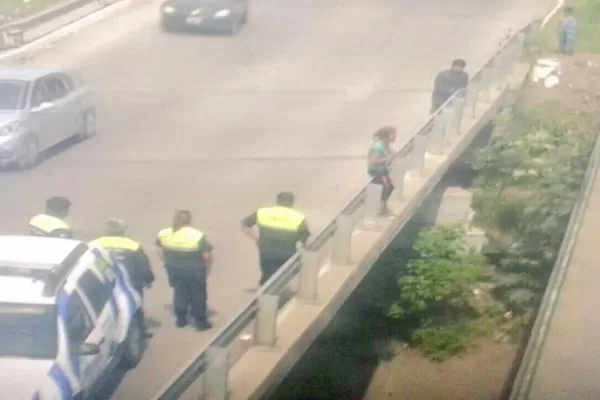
<point>181,321</point>
<point>203,325</point>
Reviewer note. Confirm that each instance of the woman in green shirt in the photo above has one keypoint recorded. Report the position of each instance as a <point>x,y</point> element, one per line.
<point>380,157</point>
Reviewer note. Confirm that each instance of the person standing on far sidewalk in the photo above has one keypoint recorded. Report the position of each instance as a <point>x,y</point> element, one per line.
<point>567,32</point>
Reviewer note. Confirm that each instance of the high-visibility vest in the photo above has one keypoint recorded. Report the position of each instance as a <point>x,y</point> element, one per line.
<point>279,218</point>
<point>279,228</point>
<point>47,225</point>
<point>116,243</point>
<point>181,247</point>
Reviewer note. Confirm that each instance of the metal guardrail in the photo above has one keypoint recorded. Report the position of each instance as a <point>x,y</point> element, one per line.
<point>526,374</point>
<point>12,33</point>
<point>260,313</point>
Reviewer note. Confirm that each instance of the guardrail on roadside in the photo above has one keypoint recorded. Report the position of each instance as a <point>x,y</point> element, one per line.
<point>259,315</point>
<point>13,33</point>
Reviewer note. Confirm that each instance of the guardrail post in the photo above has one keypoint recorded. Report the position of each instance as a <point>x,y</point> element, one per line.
<point>533,32</point>
<point>417,155</point>
<point>309,276</point>
<point>397,173</point>
<point>342,240</point>
<point>216,374</point>
<point>265,325</point>
<point>455,127</point>
<point>437,136</point>
<point>487,76</point>
<point>519,45</point>
<point>472,97</point>
<point>372,207</point>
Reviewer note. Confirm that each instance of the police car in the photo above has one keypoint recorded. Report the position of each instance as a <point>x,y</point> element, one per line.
<point>68,316</point>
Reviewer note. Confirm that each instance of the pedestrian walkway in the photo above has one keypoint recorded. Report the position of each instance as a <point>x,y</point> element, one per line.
<point>569,361</point>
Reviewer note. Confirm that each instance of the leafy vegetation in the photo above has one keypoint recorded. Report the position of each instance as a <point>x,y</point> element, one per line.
<point>528,181</point>
<point>436,292</point>
<point>14,9</point>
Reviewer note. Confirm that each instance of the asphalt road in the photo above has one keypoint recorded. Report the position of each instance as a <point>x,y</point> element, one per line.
<point>219,125</point>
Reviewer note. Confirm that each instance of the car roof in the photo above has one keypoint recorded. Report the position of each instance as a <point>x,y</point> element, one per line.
<point>26,74</point>
<point>27,265</point>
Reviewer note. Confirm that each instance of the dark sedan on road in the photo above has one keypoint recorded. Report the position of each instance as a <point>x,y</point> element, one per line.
<point>218,15</point>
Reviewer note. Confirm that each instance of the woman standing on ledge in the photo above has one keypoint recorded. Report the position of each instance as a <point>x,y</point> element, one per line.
<point>380,157</point>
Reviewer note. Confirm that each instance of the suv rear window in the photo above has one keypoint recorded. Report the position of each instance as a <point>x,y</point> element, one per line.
<point>28,331</point>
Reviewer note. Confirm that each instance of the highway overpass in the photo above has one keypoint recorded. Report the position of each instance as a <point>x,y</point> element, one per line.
<point>219,125</point>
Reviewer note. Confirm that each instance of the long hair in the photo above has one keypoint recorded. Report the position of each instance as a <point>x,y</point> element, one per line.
<point>384,133</point>
<point>181,218</point>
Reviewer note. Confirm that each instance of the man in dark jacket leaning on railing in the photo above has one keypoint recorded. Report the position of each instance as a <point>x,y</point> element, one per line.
<point>448,82</point>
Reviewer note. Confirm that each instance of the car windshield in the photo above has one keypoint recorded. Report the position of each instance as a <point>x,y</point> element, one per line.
<point>28,331</point>
<point>12,94</point>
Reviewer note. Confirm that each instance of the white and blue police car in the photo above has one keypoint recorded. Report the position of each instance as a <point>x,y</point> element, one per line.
<point>68,316</point>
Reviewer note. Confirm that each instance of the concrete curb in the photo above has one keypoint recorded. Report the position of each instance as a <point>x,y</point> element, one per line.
<point>66,30</point>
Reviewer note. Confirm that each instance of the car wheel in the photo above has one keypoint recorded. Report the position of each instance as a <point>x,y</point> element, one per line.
<point>166,26</point>
<point>88,125</point>
<point>135,343</point>
<point>234,28</point>
<point>29,154</point>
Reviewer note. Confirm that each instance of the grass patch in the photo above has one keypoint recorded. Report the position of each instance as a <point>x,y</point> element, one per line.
<point>16,9</point>
<point>587,13</point>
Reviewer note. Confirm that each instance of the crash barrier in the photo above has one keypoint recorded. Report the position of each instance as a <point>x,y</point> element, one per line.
<point>526,372</point>
<point>17,33</point>
<point>210,368</point>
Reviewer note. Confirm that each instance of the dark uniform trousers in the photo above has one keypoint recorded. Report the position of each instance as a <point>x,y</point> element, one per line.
<point>189,292</point>
<point>270,264</point>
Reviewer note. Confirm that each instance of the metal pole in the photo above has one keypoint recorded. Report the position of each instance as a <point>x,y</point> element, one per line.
<point>456,123</point>
<point>309,275</point>
<point>486,81</point>
<point>418,155</point>
<point>397,173</point>
<point>342,240</point>
<point>372,207</point>
<point>265,325</point>
<point>438,132</point>
<point>471,98</point>
<point>519,46</point>
<point>216,374</point>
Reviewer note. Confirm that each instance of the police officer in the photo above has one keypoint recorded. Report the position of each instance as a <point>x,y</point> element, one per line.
<point>51,222</point>
<point>130,253</point>
<point>280,229</point>
<point>187,256</point>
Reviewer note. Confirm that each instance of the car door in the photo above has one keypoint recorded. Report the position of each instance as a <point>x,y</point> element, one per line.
<point>61,95</point>
<point>96,294</point>
<point>43,118</point>
<point>73,106</point>
<point>79,323</point>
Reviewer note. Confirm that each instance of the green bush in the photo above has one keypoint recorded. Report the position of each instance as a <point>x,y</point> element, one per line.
<point>436,290</point>
<point>442,342</point>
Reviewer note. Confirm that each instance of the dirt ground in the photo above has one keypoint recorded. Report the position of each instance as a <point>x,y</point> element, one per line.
<point>578,88</point>
<point>481,374</point>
